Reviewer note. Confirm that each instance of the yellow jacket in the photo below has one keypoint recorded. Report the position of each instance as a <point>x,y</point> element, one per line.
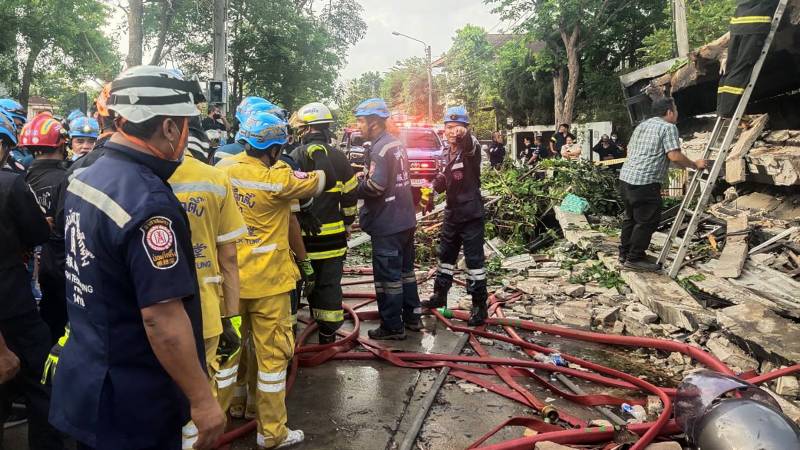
<point>265,195</point>
<point>207,197</point>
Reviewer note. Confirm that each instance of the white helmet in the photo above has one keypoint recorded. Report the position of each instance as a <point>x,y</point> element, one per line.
<point>315,113</point>
<point>143,92</point>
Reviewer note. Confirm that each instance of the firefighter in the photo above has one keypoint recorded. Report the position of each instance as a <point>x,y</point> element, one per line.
<point>45,138</point>
<point>335,209</point>
<point>132,372</point>
<point>388,216</point>
<point>265,188</point>
<point>24,337</point>
<point>750,25</point>
<point>83,133</point>
<point>18,159</point>
<point>463,216</point>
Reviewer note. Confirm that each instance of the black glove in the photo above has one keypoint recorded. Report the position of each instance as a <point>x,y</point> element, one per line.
<point>230,341</point>
<point>309,223</point>
<point>307,277</point>
<point>440,183</point>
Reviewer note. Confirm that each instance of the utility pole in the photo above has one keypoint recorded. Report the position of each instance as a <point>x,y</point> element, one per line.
<point>681,29</point>
<point>220,46</point>
<point>430,84</point>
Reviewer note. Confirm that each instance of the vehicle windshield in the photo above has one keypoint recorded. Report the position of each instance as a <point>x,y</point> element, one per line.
<point>419,138</point>
<point>357,140</point>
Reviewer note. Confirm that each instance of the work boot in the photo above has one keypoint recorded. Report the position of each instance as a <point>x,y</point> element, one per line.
<point>325,338</point>
<point>479,312</point>
<point>382,334</point>
<point>414,324</point>
<point>621,259</point>
<point>641,266</point>
<point>438,299</point>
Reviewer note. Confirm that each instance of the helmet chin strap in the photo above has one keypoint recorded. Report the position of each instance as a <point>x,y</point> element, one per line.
<point>155,151</point>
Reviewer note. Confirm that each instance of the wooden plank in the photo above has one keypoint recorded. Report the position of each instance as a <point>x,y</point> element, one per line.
<point>763,246</point>
<point>733,256</point>
<point>735,163</point>
<point>768,283</point>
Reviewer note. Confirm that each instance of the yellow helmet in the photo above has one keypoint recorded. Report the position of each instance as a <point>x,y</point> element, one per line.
<point>314,113</point>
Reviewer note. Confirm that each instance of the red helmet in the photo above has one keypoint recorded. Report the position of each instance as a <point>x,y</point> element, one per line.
<point>42,131</point>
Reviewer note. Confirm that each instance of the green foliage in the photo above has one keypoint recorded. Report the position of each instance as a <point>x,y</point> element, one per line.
<point>405,88</point>
<point>688,282</point>
<point>598,272</point>
<point>526,93</point>
<point>705,19</point>
<point>353,92</point>
<point>524,198</point>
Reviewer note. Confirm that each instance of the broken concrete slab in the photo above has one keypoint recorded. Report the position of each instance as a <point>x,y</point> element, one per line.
<point>607,316</point>
<point>672,445</point>
<point>578,231</point>
<point>664,296</point>
<point>788,387</point>
<point>731,261</point>
<point>770,283</point>
<point>547,272</point>
<point>577,313</point>
<point>639,313</point>
<point>575,290</point>
<point>761,332</point>
<point>538,286</point>
<point>776,165</point>
<point>727,352</point>
<point>519,262</point>
<point>735,164</point>
<point>542,311</point>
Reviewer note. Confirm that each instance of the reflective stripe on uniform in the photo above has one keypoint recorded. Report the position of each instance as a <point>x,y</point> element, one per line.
<point>331,228</point>
<point>226,382</point>
<point>216,280</point>
<point>457,166</point>
<point>189,434</point>
<point>271,377</point>
<point>257,185</point>
<point>265,249</point>
<point>337,188</point>
<point>730,90</point>
<point>327,254</point>
<point>232,235</point>
<point>225,373</point>
<point>350,184</point>
<point>271,388</point>
<point>390,146</point>
<point>476,274</point>
<point>750,19</point>
<point>393,287</point>
<point>329,315</point>
<point>446,269</point>
<point>350,211</point>
<point>198,187</point>
<point>409,277</point>
<point>389,199</point>
<point>100,201</point>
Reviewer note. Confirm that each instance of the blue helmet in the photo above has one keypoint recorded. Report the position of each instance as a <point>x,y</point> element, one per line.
<point>456,114</point>
<point>75,114</point>
<point>84,127</point>
<point>244,105</point>
<point>14,108</point>
<point>262,130</point>
<point>8,130</point>
<point>373,107</point>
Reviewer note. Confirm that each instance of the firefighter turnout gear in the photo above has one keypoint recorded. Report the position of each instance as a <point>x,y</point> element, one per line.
<point>463,225</point>
<point>335,209</point>
<point>268,273</point>
<point>388,216</point>
<point>214,218</point>
<point>749,27</point>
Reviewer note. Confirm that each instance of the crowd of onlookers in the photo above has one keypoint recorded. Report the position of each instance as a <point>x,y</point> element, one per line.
<point>562,144</point>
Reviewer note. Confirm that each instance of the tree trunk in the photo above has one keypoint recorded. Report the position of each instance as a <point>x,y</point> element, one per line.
<point>558,96</point>
<point>135,33</point>
<point>27,73</point>
<point>170,8</point>
<point>565,100</point>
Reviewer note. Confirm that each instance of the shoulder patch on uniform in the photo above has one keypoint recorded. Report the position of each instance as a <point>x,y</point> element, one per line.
<point>159,242</point>
<point>300,175</point>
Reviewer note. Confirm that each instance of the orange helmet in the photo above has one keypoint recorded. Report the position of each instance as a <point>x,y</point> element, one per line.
<point>42,131</point>
<point>102,109</point>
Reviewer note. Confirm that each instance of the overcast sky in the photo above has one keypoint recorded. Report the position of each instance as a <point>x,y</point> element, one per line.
<point>432,21</point>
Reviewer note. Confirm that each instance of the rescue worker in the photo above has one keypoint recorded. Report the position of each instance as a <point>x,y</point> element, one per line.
<point>463,216</point>
<point>46,139</point>
<point>83,133</point>
<point>388,216</point>
<point>216,223</point>
<point>750,25</point>
<point>24,335</point>
<point>247,107</point>
<point>132,373</point>
<point>19,159</point>
<point>265,188</point>
<point>335,209</point>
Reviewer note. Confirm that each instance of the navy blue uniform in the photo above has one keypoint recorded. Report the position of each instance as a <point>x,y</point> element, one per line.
<point>389,217</point>
<point>127,247</point>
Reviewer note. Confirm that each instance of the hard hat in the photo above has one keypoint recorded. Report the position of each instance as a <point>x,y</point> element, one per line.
<point>456,114</point>
<point>245,104</point>
<point>143,92</point>
<point>84,127</point>
<point>263,130</point>
<point>198,142</point>
<point>8,131</point>
<point>102,101</point>
<point>14,108</point>
<point>373,107</point>
<point>314,113</point>
<point>76,113</point>
<point>734,423</point>
<point>42,131</point>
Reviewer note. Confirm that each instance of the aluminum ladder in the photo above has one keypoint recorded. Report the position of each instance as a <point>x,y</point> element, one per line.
<point>720,141</point>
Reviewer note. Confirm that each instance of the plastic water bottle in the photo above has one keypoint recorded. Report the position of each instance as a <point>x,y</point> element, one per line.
<point>556,359</point>
<point>446,313</point>
<point>637,412</point>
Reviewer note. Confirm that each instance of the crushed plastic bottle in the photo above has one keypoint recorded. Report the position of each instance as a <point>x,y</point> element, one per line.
<point>556,359</point>
<point>637,412</point>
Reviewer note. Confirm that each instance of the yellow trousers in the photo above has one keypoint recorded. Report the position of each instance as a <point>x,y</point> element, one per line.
<point>221,377</point>
<point>270,323</point>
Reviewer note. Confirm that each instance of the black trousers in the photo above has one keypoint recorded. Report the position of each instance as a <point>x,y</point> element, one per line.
<point>395,283</point>
<point>453,236</point>
<point>743,52</point>
<point>326,299</point>
<point>642,215</point>
<point>28,337</point>
<point>53,307</point>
